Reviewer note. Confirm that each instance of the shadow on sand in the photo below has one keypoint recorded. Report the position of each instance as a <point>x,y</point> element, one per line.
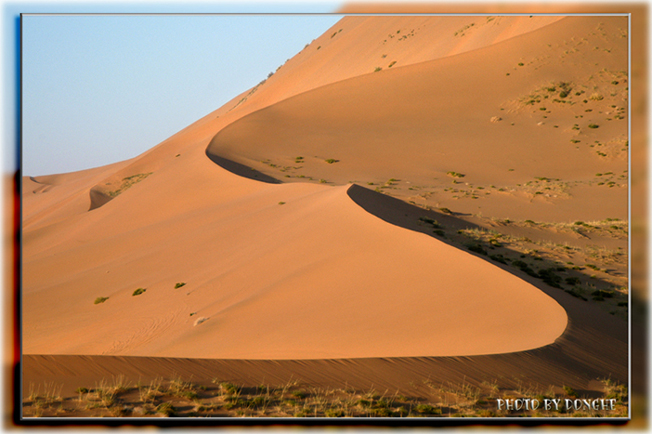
<point>241,169</point>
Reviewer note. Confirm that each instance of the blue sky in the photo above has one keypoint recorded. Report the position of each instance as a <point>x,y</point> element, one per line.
<point>98,89</point>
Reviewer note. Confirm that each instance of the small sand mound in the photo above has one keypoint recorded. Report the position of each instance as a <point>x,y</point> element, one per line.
<point>200,320</point>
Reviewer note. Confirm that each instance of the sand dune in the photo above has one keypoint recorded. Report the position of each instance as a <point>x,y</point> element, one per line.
<point>345,55</point>
<point>270,278</point>
<point>308,265</point>
<point>67,195</point>
<point>419,127</point>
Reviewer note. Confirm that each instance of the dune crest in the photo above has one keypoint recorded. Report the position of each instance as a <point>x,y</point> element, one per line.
<point>420,127</point>
<point>352,47</point>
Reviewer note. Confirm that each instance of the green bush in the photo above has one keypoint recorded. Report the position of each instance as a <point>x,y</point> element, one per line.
<point>550,278</point>
<point>570,391</point>
<point>99,300</point>
<point>425,409</point>
<point>476,248</point>
<point>179,285</point>
<point>498,258</point>
<point>575,294</point>
<point>138,291</point>
<point>165,409</point>
<point>572,280</point>
<point>525,268</point>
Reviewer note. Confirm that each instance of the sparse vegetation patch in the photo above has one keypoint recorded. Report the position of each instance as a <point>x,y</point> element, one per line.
<point>175,397</point>
<point>129,182</point>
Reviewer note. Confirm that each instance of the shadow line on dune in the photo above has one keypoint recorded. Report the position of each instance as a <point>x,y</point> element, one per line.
<point>241,169</point>
<point>590,333</point>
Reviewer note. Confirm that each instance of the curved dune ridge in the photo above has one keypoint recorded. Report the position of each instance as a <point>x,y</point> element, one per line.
<point>420,121</point>
<point>269,271</point>
<point>316,277</point>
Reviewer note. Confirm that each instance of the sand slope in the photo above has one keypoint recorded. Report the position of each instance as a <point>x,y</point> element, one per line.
<point>356,49</point>
<point>67,195</point>
<point>300,270</point>
<point>416,123</point>
<point>270,278</point>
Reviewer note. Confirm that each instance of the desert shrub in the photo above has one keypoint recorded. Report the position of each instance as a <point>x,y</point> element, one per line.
<point>229,388</point>
<point>594,126</point>
<point>179,285</point>
<point>166,409</point>
<point>334,413</point>
<point>331,161</point>
<point>570,391</point>
<point>255,402</point>
<point>575,294</point>
<point>572,280</point>
<point>425,409</point>
<point>139,291</point>
<point>498,258</point>
<point>476,248</point>
<point>550,278</point>
<point>428,220</point>
<point>300,394</point>
<point>602,293</point>
<point>99,300</point>
<point>523,266</point>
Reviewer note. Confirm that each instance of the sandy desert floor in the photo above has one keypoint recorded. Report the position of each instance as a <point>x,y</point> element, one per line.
<point>414,216</point>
